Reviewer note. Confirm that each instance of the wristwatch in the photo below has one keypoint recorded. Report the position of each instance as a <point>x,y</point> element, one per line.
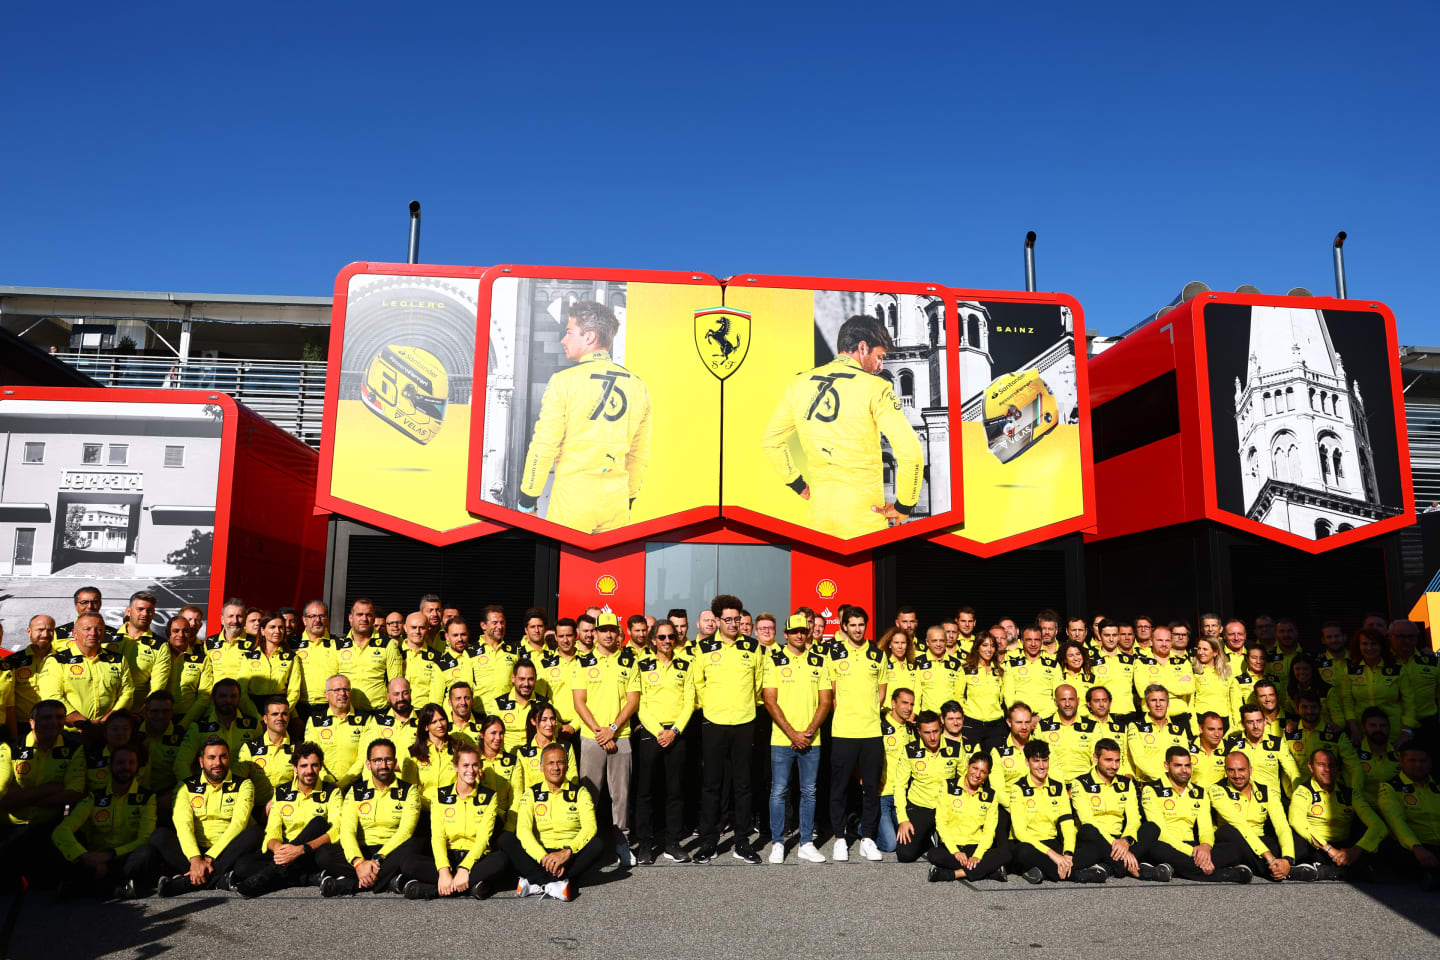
<point>378,858</point>
<point>614,727</point>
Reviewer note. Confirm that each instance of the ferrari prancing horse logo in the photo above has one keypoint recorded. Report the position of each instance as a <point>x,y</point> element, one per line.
<point>722,335</point>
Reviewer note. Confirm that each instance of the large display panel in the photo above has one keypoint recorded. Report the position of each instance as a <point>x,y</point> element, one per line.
<point>400,391</point>
<point>119,495</point>
<point>1302,417</point>
<point>838,421</point>
<point>601,417</point>
<point>1026,410</point>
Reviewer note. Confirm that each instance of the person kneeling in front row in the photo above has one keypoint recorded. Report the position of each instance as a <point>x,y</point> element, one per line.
<point>462,857</point>
<point>554,842</point>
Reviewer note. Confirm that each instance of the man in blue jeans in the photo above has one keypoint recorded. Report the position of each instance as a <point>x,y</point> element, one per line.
<point>797,694</point>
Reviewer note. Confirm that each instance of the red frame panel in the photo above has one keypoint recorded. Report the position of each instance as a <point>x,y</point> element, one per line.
<point>324,501</point>
<point>1196,308</point>
<point>474,498</point>
<point>949,518</point>
<point>1085,522</point>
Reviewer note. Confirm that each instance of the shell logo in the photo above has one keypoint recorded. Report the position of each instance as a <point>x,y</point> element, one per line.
<point>919,764</point>
<point>24,673</point>
<point>77,669</point>
<point>346,655</point>
<point>1411,799</point>
<point>260,762</point>
<point>1053,737</point>
<point>957,803</point>
<point>825,589</point>
<point>288,810</point>
<point>449,813</point>
<point>22,768</point>
<point>326,734</point>
<point>1149,738</point>
<point>365,807</point>
<point>197,802</point>
<point>1094,801</point>
<point>593,672</point>
<point>844,666</point>
<point>1169,804</point>
<point>1009,763</point>
<point>786,672</point>
<point>541,809</point>
<point>1316,809</point>
<point>715,657</point>
<point>101,816</point>
<point>606,584</point>
<point>1030,804</point>
<point>509,718</point>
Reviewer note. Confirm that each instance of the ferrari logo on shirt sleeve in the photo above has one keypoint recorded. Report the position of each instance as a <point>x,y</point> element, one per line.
<point>722,335</point>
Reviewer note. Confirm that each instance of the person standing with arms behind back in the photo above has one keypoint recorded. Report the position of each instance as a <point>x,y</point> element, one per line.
<point>594,427</point>
<point>859,679</point>
<point>840,409</point>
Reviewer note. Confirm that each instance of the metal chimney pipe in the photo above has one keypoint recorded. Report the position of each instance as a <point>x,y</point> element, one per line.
<point>414,232</point>
<point>1030,261</point>
<point>1340,265</point>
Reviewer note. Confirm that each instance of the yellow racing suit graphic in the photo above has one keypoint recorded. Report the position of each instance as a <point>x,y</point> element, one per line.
<point>594,427</point>
<point>839,412</point>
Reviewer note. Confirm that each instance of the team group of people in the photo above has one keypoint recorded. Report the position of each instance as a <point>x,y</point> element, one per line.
<point>418,754</point>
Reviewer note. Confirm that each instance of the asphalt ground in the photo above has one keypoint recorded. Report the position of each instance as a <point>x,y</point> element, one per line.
<point>728,909</point>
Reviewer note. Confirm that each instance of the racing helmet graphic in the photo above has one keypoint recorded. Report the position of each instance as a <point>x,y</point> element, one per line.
<point>407,388</point>
<point>1019,410</point>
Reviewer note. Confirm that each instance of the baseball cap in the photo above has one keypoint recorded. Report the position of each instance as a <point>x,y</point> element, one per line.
<point>607,620</point>
<point>797,621</point>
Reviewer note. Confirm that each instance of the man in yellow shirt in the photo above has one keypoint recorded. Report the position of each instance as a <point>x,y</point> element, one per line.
<point>212,827</point>
<point>594,428</point>
<point>839,410</point>
<point>797,694</point>
<point>297,829</point>
<point>378,814</point>
<point>20,675</point>
<point>90,681</point>
<point>935,671</point>
<point>555,839</point>
<point>1334,825</point>
<point>1042,821</point>
<point>106,837</point>
<point>555,670</point>
<point>919,775</point>
<point>316,654</point>
<point>1410,804</point>
<point>728,673</point>
<point>1252,829</point>
<point>606,689</point>
<point>493,658</point>
<point>38,780</point>
<point>859,677</point>
<point>370,661</point>
<point>667,702</point>
<point>144,652</point>
<point>1107,809</point>
<point>1179,829</point>
<point>1031,677</point>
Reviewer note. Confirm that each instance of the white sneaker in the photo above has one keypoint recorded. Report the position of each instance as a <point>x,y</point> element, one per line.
<point>558,889</point>
<point>840,852</point>
<point>808,853</point>
<point>527,889</point>
<point>777,853</point>
<point>869,851</point>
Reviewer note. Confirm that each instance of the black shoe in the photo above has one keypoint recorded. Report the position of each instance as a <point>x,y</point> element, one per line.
<point>1329,871</point>
<point>173,886</point>
<point>397,884</point>
<point>704,855</point>
<point>676,854</point>
<point>1158,872</point>
<point>1033,875</point>
<point>227,882</point>
<point>743,852</point>
<point>1001,874</point>
<point>481,890</point>
<point>415,890</point>
<point>1236,874</point>
<point>646,855</point>
<point>127,891</point>
<point>1095,874</point>
<point>940,875</point>
<point>251,887</point>
<point>338,887</point>
<point>1305,872</point>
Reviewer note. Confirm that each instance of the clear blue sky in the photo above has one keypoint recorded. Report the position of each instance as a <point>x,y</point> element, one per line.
<point>258,149</point>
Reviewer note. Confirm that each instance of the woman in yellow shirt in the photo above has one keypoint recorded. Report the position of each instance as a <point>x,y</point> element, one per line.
<point>1215,689</point>
<point>977,687</point>
<point>1371,680</point>
<point>430,761</point>
<point>967,818</point>
<point>1075,669</point>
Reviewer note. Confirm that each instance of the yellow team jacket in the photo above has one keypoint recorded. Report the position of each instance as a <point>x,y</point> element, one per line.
<point>839,412</point>
<point>594,426</point>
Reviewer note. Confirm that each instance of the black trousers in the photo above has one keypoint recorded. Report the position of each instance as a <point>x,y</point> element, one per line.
<point>269,875</point>
<point>531,869</point>
<point>1091,848</point>
<point>420,865</point>
<point>726,748</point>
<point>392,867</point>
<point>141,865</point>
<point>1158,851</point>
<point>984,733</point>
<point>1231,848</point>
<point>996,857</point>
<point>760,769</point>
<point>1305,852</point>
<point>655,764</point>
<point>168,845</point>
<point>849,755</point>
<point>922,822</point>
<point>1024,856</point>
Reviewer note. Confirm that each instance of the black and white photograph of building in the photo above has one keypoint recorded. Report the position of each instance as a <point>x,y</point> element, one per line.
<point>1303,417</point>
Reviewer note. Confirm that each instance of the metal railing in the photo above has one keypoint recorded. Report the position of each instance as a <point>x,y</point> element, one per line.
<point>288,393</point>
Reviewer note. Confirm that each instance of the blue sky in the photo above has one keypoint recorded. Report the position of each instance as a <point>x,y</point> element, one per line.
<point>259,149</point>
